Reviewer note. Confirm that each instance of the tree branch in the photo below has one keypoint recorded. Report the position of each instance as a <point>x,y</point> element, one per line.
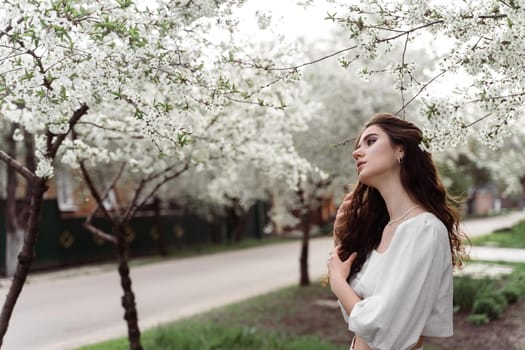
<point>21,169</point>
<point>343,143</point>
<point>100,204</point>
<point>94,192</point>
<point>316,60</point>
<point>9,27</point>
<point>512,6</point>
<point>136,204</point>
<point>99,233</point>
<point>420,91</point>
<point>378,41</point>
<point>52,151</point>
<point>490,16</point>
<point>402,87</point>
<point>501,97</point>
<point>99,126</point>
<point>478,120</point>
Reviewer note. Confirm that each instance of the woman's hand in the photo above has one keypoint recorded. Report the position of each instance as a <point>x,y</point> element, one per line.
<point>339,270</point>
<point>340,217</point>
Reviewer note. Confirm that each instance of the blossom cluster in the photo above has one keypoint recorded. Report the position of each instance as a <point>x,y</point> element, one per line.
<point>163,90</point>
<point>479,46</point>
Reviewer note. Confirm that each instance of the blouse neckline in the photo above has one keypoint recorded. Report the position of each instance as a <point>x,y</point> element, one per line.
<point>374,251</point>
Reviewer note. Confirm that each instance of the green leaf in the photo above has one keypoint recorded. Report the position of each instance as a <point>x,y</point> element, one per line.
<point>124,3</point>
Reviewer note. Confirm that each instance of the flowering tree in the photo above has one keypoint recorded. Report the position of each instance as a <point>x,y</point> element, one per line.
<point>474,92</point>
<point>256,146</point>
<point>103,82</point>
<point>480,49</point>
<point>346,102</point>
<point>477,164</point>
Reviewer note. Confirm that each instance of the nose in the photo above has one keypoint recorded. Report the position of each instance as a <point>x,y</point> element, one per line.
<point>357,154</point>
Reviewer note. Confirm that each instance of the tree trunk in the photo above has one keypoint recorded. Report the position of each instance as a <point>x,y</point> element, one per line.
<point>26,257</point>
<point>14,228</point>
<point>128,298</point>
<point>303,261</point>
<point>35,189</point>
<point>14,243</point>
<point>16,214</point>
<point>215,229</point>
<point>240,226</point>
<point>161,241</point>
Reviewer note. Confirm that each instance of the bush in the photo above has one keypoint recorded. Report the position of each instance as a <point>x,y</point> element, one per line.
<point>492,306</point>
<point>500,300</point>
<point>478,319</point>
<point>512,292</point>
<point>518,279</point>
<point>467,289</point>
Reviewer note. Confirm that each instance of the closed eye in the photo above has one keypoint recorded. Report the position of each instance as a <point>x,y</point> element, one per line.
<point>368,140</point>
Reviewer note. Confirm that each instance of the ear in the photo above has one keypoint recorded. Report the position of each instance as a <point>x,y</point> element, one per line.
<point>400,151</point>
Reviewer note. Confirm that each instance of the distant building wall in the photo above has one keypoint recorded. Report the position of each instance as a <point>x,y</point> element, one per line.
<point>484,203</point>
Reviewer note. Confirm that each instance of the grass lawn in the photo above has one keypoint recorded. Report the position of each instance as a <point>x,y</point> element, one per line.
<point>206,335</point>
<point>269,322</point>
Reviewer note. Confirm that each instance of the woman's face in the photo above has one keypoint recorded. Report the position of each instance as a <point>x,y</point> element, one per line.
<point>376,157</point>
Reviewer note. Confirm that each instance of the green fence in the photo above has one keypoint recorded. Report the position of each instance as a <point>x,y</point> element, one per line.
<point>63,241</point>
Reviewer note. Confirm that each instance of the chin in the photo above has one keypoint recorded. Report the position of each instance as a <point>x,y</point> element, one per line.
<point>366,180</point>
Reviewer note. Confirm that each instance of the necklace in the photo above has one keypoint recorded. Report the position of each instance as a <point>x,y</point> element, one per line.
<point>402,216</point>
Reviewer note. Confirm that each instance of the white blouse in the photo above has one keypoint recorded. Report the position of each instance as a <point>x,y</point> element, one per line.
<point>406,291</point>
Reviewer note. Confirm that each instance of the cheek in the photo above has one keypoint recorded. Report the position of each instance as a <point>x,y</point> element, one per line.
<point>382,151</point>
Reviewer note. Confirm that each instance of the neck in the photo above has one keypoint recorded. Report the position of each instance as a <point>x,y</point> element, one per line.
<point>396,198</point>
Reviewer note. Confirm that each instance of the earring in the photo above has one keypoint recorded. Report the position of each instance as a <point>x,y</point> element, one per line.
<point>399,160</point>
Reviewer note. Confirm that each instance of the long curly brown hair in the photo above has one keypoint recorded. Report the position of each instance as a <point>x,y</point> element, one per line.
<point>367,214</point>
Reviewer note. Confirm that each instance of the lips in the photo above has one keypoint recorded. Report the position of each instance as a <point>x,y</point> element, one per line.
<point>359,164</point>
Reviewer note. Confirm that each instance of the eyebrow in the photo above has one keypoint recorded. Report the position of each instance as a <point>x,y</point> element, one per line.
<point>366,138</point>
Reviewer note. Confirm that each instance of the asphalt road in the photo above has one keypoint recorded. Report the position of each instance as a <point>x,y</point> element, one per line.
<point>70,308</point>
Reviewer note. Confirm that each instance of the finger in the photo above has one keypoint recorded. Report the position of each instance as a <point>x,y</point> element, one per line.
<point>350,259</point>
<point>348,197</point>
<point>343,208</point>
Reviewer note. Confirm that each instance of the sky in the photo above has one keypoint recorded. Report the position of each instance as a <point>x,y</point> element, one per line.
<point>288,18</point>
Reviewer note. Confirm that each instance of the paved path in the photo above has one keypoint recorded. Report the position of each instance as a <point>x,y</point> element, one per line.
<point>70,308</point>
<point>497,254</point>
<point>483,226</point>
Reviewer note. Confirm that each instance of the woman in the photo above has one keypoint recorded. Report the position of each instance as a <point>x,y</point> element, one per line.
<point>397,240</point>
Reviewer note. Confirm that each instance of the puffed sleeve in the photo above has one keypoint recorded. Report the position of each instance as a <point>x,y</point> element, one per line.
<point>394,315</point>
